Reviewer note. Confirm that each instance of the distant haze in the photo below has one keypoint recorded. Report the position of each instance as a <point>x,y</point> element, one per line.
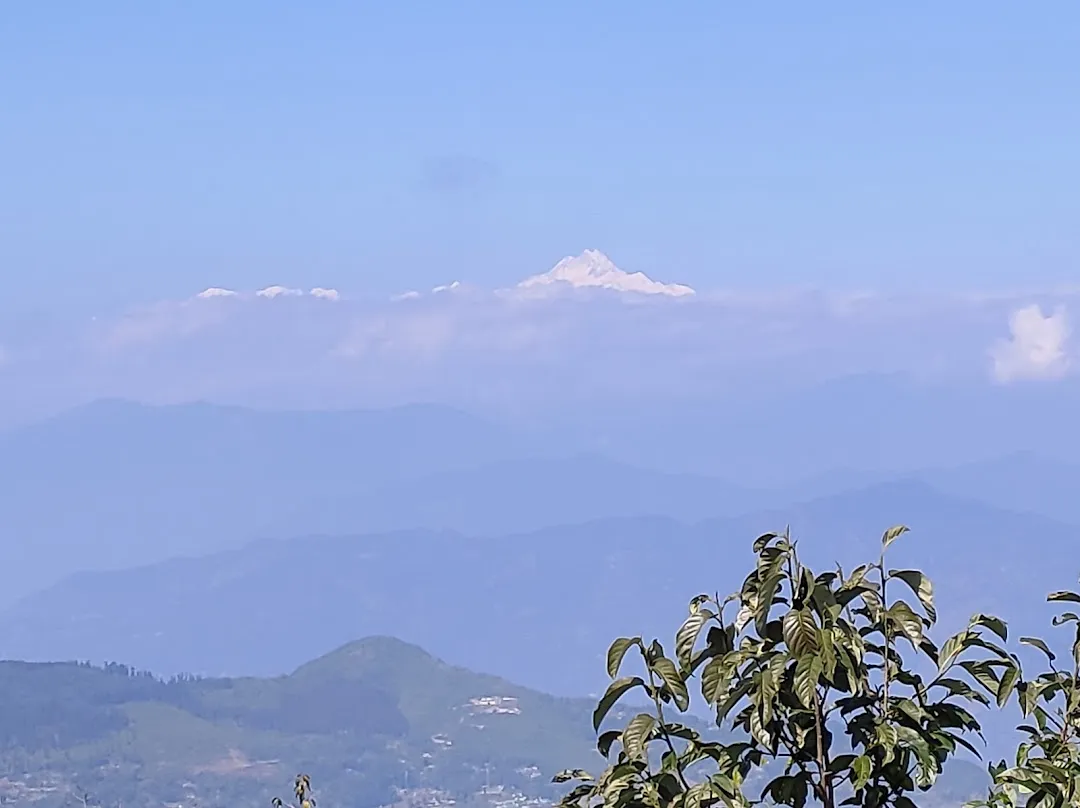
<point>587,335</point>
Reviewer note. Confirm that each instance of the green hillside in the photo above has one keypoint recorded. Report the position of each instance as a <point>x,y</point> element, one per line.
<point>365,721</point>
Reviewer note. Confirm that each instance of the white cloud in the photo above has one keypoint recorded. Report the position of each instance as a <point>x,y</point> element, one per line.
<point>586,337</point>
<point>410,295</point>
<point>449,287</point>
<point>279,291</point>
<point>1037,348</point>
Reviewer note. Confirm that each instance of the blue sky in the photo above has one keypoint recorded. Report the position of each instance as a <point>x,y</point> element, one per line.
<point>150,150</point>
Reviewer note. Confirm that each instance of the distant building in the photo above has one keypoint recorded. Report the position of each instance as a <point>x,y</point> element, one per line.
<point>494,705</point>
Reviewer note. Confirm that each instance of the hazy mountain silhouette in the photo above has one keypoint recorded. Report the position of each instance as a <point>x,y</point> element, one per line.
<point>502,604</point>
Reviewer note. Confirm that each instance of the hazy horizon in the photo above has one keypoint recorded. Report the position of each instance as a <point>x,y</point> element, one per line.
<point>366,369</point>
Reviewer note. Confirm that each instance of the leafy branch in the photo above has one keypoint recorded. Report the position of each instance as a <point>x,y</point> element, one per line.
<point>1046,768</point>
<point>802,656</point>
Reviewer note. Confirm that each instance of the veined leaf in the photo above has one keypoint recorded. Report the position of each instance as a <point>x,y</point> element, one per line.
<point>757,727</point>
<point>906,621</point>
<point>886,737</point>
<point>703,793</point>
<point>800,632</point>
<point>765,600</point>
<point>858,575</point>
<point>762,541</point>
<point>807,671</point>
<point>714,678</point>
<point>688,633</point>
<point>995,624</point>
<point>860,771</point>
<point>617,652</point>
<point>984,674</point>
<point>615,691</point>
<point>950,649</point>
<point>892,534</point>
<point>667,671</point>
<point>636,735</point>
<point>921,586</point>
<point>1009,678</point>
<point>1035,642</point>
<point>733,698</point>
<point>960,688</point>
<point>828,653</point>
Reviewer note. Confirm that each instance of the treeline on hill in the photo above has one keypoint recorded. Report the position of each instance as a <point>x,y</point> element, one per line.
<point>370,718</point>
<point>835,693</point>
<point>57,705</point>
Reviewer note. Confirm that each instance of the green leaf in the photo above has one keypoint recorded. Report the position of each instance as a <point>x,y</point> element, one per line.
<point>670,674</point>
<point>788,789</point>
<point>615,691</point>
<point>765,600</point>
<point>636,735</point>
<point>733,698</point>
<point>703,793</point>
<point>617,652</point>
<point>758,730</point>
<point>983,674</point>
<point>1035,642</point>
<point>950,649</point>
<point>604,742</point>
<point>886,737</point>
<point>860,771</point>
<point>828,653</point>
<point>921,586</point>
<point>743,617</point>
<point>688,633</point>
<point>762,541</point>
<point>995,624</point>
<point>807,671</point>
<point>906,621</point>
<point>567,775</point>
<point>1067,597</point>
<point>956,687</point>
<point>858,575</point>
<point>1009,678</point>
<point>1028,696</point>
<point>800,632</point>
<point>892,534</point>
<point>698,602</point>
<point>714,678</point>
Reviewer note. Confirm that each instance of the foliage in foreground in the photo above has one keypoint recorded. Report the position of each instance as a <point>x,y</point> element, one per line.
<point>804,659</point>
<point>1046,769</point>
<point>302,792</point>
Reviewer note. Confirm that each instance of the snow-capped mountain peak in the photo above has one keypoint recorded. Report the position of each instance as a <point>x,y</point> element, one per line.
<point>593,269</point>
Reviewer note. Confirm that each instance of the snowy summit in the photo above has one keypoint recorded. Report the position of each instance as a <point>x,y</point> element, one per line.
<point>593,269</point>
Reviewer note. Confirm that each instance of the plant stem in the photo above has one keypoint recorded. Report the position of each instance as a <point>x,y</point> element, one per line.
<point>822,759</point>
<point>885,633</point>
<point>663,729</point>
